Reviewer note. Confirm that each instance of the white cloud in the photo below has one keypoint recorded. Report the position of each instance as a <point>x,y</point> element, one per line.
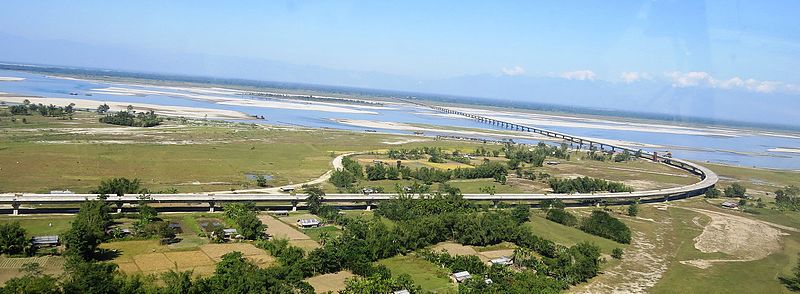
<point>514,71</point>
<point>632,76</point>
<point>699,78</point>
<point>580,75</point>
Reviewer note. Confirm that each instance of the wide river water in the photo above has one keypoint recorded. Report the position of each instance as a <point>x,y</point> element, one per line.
<point>728,145</point>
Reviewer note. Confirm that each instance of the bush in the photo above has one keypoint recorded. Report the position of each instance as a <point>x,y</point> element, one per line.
<point>712,193</point>
<point>617,253</point>
<point>561,216</point>
<point>600,223</point>
<point>735,190</point>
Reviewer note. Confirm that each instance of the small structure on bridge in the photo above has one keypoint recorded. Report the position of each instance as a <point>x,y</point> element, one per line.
<point>308,223</point>
<point>61,192</point>
<point>46,241</point>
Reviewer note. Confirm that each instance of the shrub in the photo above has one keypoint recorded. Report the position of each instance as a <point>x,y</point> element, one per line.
<point>602,224</point>
<point>617,253</point>
<point>561,216</point>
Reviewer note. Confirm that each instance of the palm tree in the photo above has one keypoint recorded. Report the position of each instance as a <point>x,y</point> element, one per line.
<point>324,236</point>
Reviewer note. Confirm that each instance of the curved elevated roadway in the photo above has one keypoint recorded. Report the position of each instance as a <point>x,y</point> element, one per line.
<point>708,180</point>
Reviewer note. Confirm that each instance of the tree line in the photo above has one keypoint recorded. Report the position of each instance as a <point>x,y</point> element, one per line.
<point>27,108</point>
<point>599,223</point>
<point>132,119</point>
<point>586,185</point>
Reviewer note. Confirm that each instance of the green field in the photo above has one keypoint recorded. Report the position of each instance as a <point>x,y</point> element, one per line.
<point>569,236</point>
<point>425,274</point>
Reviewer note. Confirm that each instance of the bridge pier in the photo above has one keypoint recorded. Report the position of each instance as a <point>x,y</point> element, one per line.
<point>119,206</point>
<point>15,207</point>
<point>369,206</point>
<point>496,203</point>
<point>211,206</point>
<point>294,205</point>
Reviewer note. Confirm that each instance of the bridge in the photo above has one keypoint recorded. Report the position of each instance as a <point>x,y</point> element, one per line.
<point>708,180</point>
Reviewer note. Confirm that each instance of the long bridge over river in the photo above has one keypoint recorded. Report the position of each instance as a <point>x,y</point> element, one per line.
<point>707,180</point>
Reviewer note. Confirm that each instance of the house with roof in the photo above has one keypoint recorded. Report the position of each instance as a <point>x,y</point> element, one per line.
<point>460,276</point>
<point>501,261</point>
<point>308,223</point>
<point>46,241</point>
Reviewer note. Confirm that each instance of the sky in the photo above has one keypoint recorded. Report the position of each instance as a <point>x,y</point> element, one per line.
<point>711,50</point>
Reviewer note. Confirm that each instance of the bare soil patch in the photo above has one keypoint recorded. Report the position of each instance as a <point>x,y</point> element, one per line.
<point>457,250</point>
<point>497,253</point>
<point>153,262</point>
<point>216,251</point>
<point>740,237</point>
<point>189,259</point>
<point>329,282</point>
<point>281,230</point>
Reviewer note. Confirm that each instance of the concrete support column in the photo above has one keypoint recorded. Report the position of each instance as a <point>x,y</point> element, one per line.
<point>294,205</point>
<point>369,206</point>
<point>211,206</point>
<point>15,207</point>
<point>496,203</point>
<point>119,207</point>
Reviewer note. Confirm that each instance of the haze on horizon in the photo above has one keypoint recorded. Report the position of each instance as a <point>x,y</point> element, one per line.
<point>729,60</point>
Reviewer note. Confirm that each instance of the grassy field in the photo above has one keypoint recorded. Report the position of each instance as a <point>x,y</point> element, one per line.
<point>758,276</point>
<point>41,225</point>
<point>425,274</point>
<point>568,236</point>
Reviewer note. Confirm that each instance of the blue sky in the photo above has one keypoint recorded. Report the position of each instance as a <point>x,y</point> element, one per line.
<point>740,46</point>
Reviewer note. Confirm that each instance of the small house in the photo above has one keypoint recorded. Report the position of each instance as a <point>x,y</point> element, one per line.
<point>308,223</point>
<point>730,204</point>
<point>501,261</point>
<point>407,189</point>
<point>230,232</point>
<point>461,276</point>
<point>279,212</point>
<point>368,190</point>
<point>46,241</point>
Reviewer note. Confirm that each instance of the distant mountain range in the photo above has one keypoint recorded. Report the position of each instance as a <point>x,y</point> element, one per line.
<point>648,98</point>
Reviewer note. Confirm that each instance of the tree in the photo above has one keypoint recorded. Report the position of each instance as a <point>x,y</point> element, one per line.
<point>488,189</point>
<point>342,179</point>
<point>602,224</point>
<point>12,238</point>
<point>712,193</point>
<point>633,209</point>
<point>378,284</point>
<point>91,277</point>
<point>314,199</point>
<point>521,213</point>
<point>617,253</point>
<point>788,198</point>
<point>261,181</point>
<point>119,186</point>
<point>735,190</point>
<point>792,282</point>
<point>103,108</point>
<point>88,229</point>
<point>34,281</point>
<point>81,240</point>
